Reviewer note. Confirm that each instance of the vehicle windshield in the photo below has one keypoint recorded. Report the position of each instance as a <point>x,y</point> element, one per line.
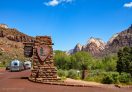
<point>26,64</point>
<point>15,64</point>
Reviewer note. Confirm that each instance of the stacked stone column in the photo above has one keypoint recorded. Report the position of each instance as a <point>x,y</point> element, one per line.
<point>43,71</point>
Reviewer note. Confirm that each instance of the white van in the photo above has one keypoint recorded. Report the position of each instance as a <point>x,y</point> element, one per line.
<point>16,65</point>
<point>27,65</point>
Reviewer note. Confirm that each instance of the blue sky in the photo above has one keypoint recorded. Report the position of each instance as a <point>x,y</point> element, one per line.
<point>68,21</point>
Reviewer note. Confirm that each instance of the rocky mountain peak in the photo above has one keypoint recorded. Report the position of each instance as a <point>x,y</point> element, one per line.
<point>77,48</point>
<point>3,26</point>
<point>120,40</point>
<point>93,46</point>
<point>112,38</point>
<point>97,47</point>
<point>97,41</point>
<point>13,34</point>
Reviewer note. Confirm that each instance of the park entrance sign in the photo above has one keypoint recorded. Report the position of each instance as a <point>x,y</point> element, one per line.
<point>41,52</point>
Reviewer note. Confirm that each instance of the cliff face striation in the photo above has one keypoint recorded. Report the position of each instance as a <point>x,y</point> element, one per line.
<point>14,35</point>
<point>94,46</point>
<point>118,41</point>
<point>97,47</point>
<point>11,43</point>
<point>77,48</point>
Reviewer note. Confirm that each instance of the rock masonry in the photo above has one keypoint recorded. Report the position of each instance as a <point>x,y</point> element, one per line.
<point>43,63</point>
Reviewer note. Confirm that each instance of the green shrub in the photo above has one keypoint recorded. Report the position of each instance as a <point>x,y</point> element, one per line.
<point>62,73</point>
<point>95,75</point>
<point>73,74</point>
<point>109,63</point>
<point>94,78</point>
<point>125,78</point>
<point>111,78</point>
<point>107,79</point>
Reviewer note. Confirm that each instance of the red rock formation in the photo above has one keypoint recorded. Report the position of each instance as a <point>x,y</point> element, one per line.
<point>77,48</point>
<point>118,41</point>
<point>94,46</point>
<point>11,43</point>
<point>98,48</point>
<point>14,35</point>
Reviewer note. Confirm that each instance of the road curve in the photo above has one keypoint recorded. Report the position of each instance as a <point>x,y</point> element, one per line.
<point>12,82</point>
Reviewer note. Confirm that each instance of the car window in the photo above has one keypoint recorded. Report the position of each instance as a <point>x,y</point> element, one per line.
<point>15,63</point>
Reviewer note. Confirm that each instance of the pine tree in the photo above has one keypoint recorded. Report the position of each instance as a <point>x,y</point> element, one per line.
<point>124,63</point>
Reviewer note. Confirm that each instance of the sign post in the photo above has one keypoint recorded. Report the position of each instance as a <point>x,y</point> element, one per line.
<point>41,52</point>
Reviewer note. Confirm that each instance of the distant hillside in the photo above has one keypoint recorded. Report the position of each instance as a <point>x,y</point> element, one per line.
<point>94,46</point>
<point>118,41</point>
<point>14,35</point>
<point>11,43</point>
<point>97,47</point>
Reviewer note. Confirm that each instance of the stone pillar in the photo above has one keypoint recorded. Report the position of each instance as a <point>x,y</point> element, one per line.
<point>43,63</point>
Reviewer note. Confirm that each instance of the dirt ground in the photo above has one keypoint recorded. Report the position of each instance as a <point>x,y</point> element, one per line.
<point>12,82</point>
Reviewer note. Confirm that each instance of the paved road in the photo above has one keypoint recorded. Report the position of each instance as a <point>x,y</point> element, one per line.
<point>11,82</point>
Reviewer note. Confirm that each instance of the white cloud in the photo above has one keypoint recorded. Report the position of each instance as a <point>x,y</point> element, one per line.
<point>57,2</point>
<point>52,3</point>
<point>128,5</point>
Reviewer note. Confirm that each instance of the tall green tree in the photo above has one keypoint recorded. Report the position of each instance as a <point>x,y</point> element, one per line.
<point>62,60</point>
<point>82,60</point>
<point>124,63</point>
<point>109,62</point>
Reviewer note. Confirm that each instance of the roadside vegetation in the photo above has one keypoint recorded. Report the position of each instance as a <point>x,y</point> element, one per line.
<point>6,58</point>
<point>111,69</point>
